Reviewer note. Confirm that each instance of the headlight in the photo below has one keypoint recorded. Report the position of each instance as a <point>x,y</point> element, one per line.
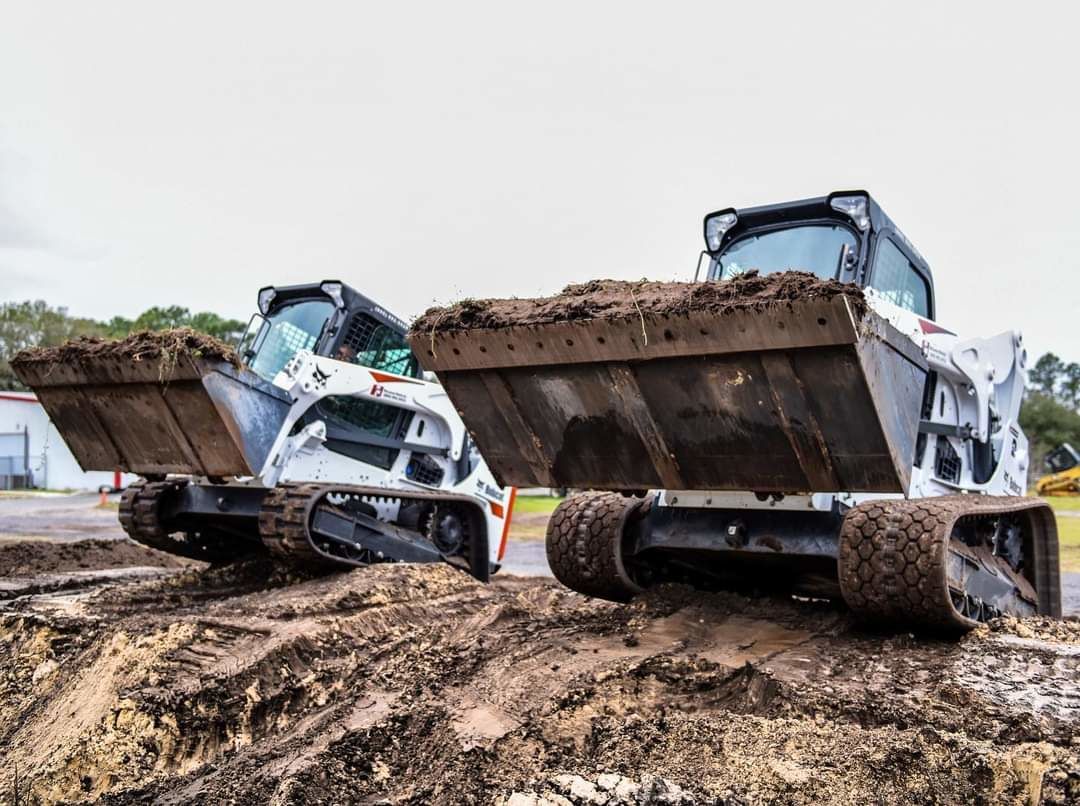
<point>266,297</point>
<point>855,207</point>
<point>715,227</point>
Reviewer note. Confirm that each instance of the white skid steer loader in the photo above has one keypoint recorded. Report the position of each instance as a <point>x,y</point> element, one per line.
<point>814,432</point>
<point>323,443</point>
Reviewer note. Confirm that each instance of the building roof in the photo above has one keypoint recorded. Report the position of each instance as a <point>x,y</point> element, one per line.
<point>21,397</point>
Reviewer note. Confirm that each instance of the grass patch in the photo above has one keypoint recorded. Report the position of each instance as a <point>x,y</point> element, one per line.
<point>535,504</point>
<point>1068,524</point>
<point>1064,503</point>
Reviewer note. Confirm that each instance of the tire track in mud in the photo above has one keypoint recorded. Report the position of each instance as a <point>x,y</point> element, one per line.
<point>418,684</point>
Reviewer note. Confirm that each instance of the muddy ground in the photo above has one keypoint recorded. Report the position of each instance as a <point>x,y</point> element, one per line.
<point>415,684</point>
<point>619,299</point>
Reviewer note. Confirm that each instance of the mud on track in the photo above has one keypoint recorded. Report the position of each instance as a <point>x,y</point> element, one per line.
<point>418,685</point>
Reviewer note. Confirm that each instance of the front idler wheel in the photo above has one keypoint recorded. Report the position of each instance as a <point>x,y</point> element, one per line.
<point>587,539</point>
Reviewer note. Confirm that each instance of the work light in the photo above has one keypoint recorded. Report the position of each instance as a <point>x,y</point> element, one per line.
<point>855,206</point>
<point>716,226</point>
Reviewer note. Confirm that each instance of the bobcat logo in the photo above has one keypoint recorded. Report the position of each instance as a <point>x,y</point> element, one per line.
<point>319,377</point>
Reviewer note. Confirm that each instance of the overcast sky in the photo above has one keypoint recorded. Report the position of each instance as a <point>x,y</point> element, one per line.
<point>188,153</point>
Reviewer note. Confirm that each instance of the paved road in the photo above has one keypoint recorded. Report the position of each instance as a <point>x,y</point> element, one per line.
<point>77,517</point>
<point>58,517</point>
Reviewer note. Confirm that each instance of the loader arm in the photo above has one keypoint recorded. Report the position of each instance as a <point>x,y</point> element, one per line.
<point>428,427</point>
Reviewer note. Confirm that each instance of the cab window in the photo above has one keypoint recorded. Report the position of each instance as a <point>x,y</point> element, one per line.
<point>896,279</point>
<point>376,346</point>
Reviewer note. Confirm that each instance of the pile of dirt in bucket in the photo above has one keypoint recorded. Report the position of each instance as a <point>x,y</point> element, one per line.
<point>619,299</point>
<point>417,684</point>
<point>166,346</point>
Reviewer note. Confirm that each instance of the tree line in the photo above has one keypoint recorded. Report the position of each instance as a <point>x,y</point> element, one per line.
<point>1051,411</point>
<point>37,324</point>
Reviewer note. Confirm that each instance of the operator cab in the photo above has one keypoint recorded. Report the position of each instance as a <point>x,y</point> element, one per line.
<point>844,236</point>
<point>330,319</point>
<point>1062,458</point>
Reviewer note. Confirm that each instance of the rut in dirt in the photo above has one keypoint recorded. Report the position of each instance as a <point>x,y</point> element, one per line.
<point>417,684</point>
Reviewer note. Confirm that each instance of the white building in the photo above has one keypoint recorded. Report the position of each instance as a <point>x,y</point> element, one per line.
<point>32,453</point>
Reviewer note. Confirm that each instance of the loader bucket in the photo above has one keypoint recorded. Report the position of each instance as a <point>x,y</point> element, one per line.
<point>200,416</point>
<point>814,395</point>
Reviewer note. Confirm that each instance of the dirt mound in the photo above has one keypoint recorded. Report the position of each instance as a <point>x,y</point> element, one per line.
<point>165,345</point>
<point>29,557</point>
<point>419,685</point>
<point>619,299</point>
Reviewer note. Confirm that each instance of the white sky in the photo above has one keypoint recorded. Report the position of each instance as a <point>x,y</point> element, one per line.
<point>188,153</point>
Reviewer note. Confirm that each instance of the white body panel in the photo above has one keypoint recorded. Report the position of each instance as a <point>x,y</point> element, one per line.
<point>435,429</point>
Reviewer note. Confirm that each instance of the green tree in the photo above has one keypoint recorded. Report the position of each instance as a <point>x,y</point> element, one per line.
<point>1046,373</point>
<point>36,324</point>
<point>162,318</point>
<point>1047,422</point>
<point>228,330</point>
<point>1069,385</point>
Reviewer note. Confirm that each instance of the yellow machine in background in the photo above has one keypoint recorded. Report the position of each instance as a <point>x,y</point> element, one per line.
<point>1064,477</point>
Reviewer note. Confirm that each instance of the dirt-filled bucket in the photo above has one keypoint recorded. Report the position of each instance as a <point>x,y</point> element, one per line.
<point>778,383</point>
<point>156,403</point>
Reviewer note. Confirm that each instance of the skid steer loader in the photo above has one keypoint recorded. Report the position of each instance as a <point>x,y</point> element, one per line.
<point>322,443</point>
<point>1064,477</point>
<point>833,442</point>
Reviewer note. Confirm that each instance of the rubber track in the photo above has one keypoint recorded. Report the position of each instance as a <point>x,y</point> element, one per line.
<point>584,544</point>
<point>283,523</point>
<point>139,506</point>
<point>893,556</point>
<point>286,511</point>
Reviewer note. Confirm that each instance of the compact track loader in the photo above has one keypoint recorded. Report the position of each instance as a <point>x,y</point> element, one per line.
<point>1064,477</point>
<point>320,441</point>
<point>816,432</point>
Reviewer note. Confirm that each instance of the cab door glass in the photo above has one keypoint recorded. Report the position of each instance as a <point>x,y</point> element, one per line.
<point>896,279</point>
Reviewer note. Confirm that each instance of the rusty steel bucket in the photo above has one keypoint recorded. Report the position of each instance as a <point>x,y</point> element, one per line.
<point>796,397</point>
<point>200,416</point>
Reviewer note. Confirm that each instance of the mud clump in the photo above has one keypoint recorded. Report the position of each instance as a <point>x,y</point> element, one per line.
<point>30,557</point>
<point>166,346</point>
<point>620,299</point>
<point>417,684</point>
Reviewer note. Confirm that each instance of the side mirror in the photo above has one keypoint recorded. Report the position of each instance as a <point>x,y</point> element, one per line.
<point>249,343</point>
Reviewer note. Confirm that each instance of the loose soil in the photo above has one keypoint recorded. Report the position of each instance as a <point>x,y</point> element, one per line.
<point>30,557</point>
<point>620,299</point>
<point>416,684</point>
<point>166,345</point>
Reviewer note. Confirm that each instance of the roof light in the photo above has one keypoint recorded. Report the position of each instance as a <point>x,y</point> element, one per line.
<point>266,298</point>
<point>716,226</point>
<point>332,289</point>
<point>857,208</point>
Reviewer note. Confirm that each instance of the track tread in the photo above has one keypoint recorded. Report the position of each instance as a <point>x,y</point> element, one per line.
<point>893,555</point>
<point>286,511</point>
<point>583,542</point>
<point>139,516</point>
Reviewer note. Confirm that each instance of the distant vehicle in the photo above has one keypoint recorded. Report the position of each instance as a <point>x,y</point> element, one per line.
<point>1064,477</point>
